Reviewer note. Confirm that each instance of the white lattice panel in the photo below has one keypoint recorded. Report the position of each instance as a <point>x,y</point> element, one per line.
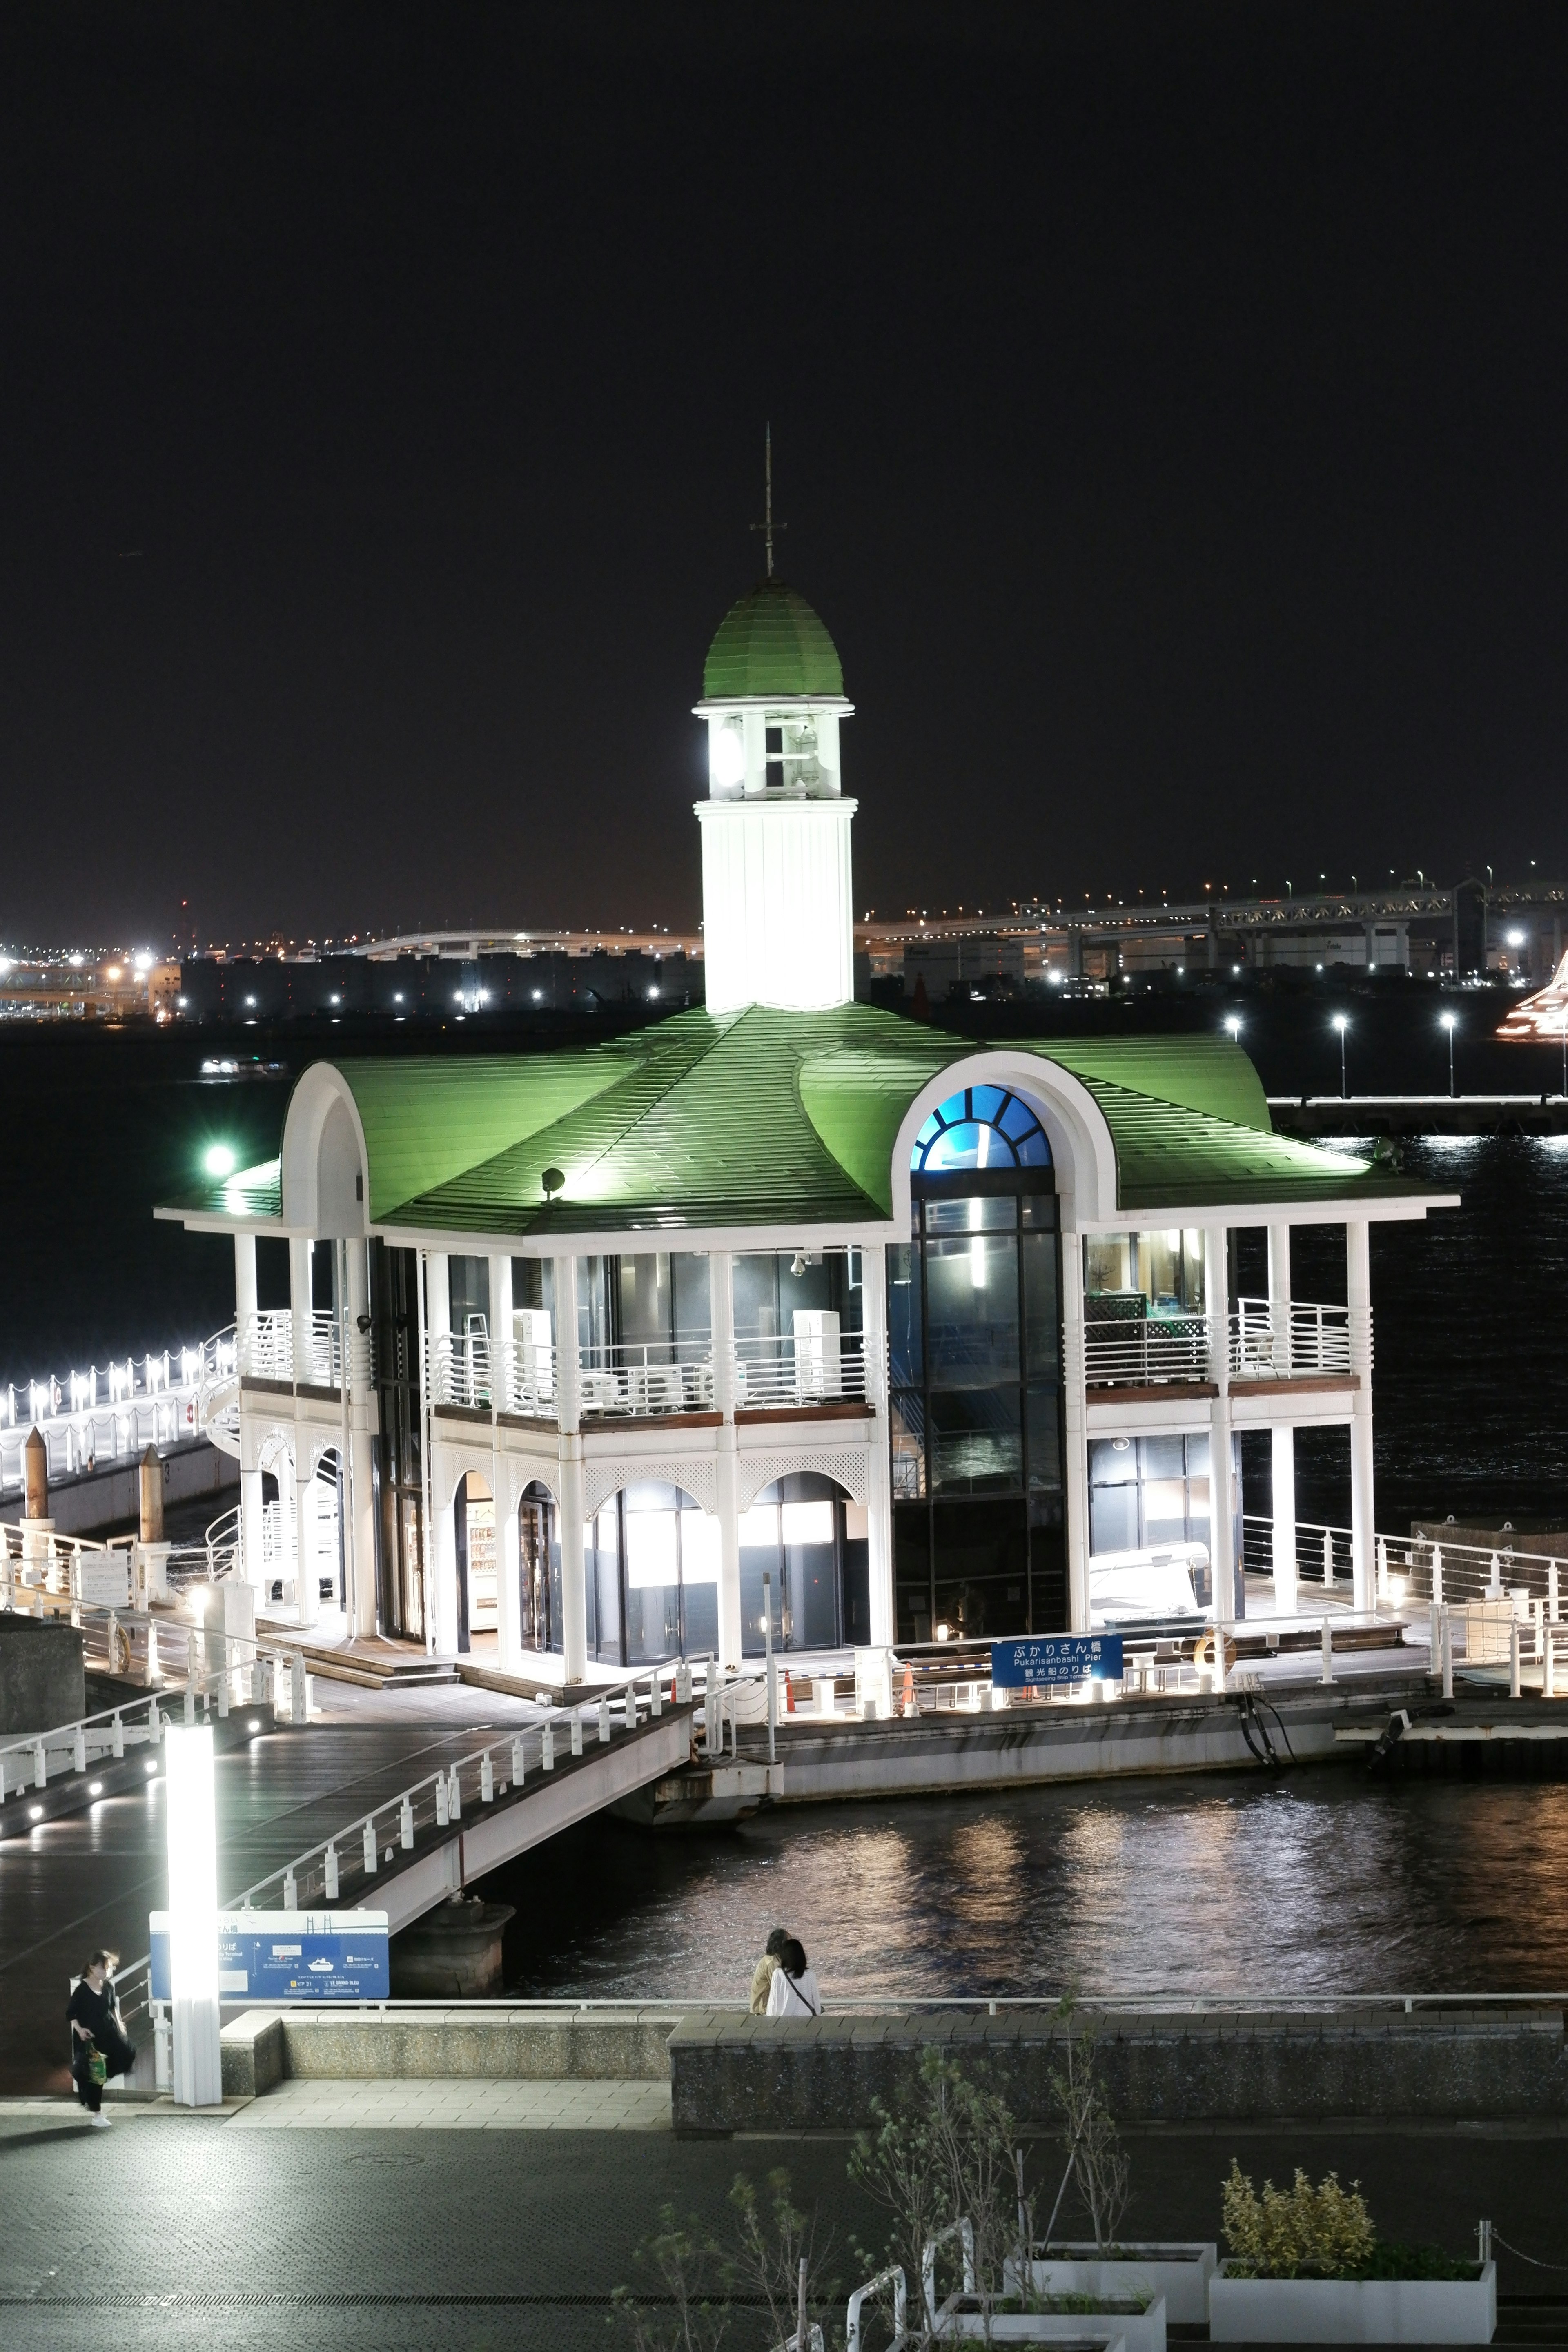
<point>849,1465</point>
<point>697,1477</point>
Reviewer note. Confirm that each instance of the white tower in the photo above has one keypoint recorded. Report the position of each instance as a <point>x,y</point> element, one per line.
<point>777,903</point>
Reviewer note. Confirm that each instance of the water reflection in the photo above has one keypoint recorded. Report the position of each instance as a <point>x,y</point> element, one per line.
<point>1323,1883</point>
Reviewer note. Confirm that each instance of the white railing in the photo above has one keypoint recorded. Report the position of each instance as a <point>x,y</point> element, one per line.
<point>110,1414</point>
<point>1323,1555</point>
<point>266,1345</point>
<point>1289,1339</point>
<point>1145,1351</point>
<point>640,1378</point>
<point>466,1369</point>
<point>279,1345</point>
<point>818,1365</point>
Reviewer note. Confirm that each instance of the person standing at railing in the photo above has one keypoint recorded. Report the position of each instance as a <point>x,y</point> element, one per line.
<point>97,2031</point>
<point>762,1974</point>
<point>793,1992</point>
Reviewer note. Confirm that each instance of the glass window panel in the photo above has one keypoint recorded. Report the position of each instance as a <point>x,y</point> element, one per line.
<point>1035,1151</point>
<point>689,1283</point>
<point>1165,1502</point>
<point>976,1443</point>
<point>904,1315</point>
<point>967,1144</point>
<point>908,1426</point>
<point>760,1527</point>
<point>1040,1209</point>
<point>808,1523</point>
<point>987,1103</point>
<point>1042,1314</point>
<point>698,1550</point>
<point>651,1553</point>
<point>1107,1263</point>
<point>756,1296</point>
<point>1112,1461</point>
<point>1112,1518</point>
<point>699,1604</point>
<point>1016,1119</point>
<point>645,1298</point>
<point>1044,1439</point>
<point>1162,1457</point>
<point>972,1310</point>
<point>1198,1456</point>
<point>981,1213</point>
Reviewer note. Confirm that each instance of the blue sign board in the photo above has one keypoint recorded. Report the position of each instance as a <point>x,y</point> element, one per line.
<point>1046,1659</point>
<point>290,1955</point>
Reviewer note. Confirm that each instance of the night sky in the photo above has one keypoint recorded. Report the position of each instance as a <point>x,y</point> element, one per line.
<point>1170,413</point>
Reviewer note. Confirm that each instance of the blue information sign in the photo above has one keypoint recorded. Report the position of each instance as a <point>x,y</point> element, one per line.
<point>1046,1659</point>
<point>290,1955</point>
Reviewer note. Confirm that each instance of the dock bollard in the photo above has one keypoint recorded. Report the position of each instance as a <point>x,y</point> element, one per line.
<point>519,1762</point>
<point>576,1731</point>
<point>370,1854</point>
<point>547,1749</point>
<point>486,1780</point>
<point>330,1868</point>
<point>442,1816</point>
<point>1328,1673</point>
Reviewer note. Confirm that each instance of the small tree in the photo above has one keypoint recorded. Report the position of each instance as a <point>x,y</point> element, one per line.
<point>688,2265</point>
<point>781,2257</point>
<point>1097,2165</point>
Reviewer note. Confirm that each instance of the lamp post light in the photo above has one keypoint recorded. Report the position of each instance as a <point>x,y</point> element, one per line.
<point>1233,1026</point>
<point>192,1822</point>
<point>1341,1024</point>
<point>1450,1022</point>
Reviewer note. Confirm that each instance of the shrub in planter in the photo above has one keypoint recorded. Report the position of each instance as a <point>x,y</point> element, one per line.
<point>1307,2265</point>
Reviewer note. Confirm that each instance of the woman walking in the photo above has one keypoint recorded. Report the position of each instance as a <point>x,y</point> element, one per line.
<point>793,1992</point>
<point>97,2032</point>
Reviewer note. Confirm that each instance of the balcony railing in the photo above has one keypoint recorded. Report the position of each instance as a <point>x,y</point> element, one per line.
<point>1279,1340</point>
<point>647,1377</point>
<point>1286,1339</point>
<point>818,1365</point>
<point>1138,1350</point>
<point>466,1368</point>
<point>279,1345</point>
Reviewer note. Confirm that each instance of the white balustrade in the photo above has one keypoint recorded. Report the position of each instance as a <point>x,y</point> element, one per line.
<point>640,1378</point>
<point>817,1362</point>
<point>1147,1349</point>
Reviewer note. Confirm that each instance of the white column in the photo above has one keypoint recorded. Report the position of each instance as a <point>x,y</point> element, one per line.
<point>1075,1469</point>
<point>307,1573</point>
<point>1364,1517</point>
<point>427,1507</point>
<point>1283,1483</point>
<point>300,1301</point>
<point>444,1550</point>
<point>879,1486</point>
<point>721,1321</point>
<point>500,1331</point>
<point>250,1520</point>
<point>245,1291</point>
<point>362,1483</point>
<point>509,1566</point>
<point>573,1505</point>
<point>1222,1529</point>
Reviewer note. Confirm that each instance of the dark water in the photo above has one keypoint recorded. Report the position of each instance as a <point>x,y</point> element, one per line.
<point>1327,1883</point>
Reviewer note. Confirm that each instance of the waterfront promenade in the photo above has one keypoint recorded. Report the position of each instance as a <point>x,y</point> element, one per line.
<point>173,2232</point>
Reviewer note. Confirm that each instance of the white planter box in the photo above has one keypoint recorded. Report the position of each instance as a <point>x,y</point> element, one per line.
<point>1352,2311</point>
<point>1178,2270</point>
<point>1134,2331</point>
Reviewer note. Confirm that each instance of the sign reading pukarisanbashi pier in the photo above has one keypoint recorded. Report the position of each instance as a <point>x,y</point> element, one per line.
<point>290,1955</point>
<point>1044,1660</point>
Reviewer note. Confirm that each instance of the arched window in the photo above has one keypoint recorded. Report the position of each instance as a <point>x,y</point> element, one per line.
<point>983,1128</point>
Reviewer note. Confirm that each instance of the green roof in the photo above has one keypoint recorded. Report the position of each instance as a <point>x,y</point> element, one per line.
<point>770,643</point>
<point>767,1118</point>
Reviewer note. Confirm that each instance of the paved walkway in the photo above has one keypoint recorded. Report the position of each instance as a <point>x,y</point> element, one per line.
<point>459,2105</point>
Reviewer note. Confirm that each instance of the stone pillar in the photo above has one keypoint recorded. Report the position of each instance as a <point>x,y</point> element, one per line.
<point>721,1324</point>
<point>244,1293</point>
<point>1075,1469</point>
<point>573,1506</point>
<point>151,1484</point>
<point>36,1476</point>
<point>879,1485</point>
<point>1364,1520</point>
<point>300,1302</point>
<point>1222,1524</point>
<point>1283,1494</point>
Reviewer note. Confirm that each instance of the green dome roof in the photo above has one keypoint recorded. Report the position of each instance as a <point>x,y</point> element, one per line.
<point>771,643</point>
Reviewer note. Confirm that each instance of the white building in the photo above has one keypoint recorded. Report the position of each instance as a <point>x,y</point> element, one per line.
<point>786,1285</point>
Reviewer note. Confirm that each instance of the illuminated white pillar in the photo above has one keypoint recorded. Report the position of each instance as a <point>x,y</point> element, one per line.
<point>251,1520</point>
<point>721,1323</point>
<point>574,1493</point>
<point>300,1302</point>
<point>879,1485</point>
<point>190,1816</point>
<point>307,1567</point>
<point>362,1480</point>
<point>1363,1521</point>
<point>1283,1494</point>
<point>1222,1524</point>
<point>245,1290</point>
<point>1075,1469</point>
<point>509,1564</point>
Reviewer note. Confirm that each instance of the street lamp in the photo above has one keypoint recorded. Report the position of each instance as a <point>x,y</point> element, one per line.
<point>1449,1021</point>
<point>1233,1026</point>
<point>1341,1024</point>
<point>191,1809</point>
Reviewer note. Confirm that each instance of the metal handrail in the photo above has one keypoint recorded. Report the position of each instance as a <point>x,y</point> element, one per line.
<point>647,1376</point>
<point>800,1367</point>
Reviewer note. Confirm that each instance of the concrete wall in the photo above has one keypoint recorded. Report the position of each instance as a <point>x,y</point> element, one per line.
<point>111,1497</point>
<point>265,2047</point>
<point>743,2073</point>
<point>41,1678</point>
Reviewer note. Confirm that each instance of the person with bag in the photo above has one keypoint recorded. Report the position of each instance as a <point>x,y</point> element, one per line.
<point>99,2043</point>
<point>762,1974</point>
<point>793,1992</point>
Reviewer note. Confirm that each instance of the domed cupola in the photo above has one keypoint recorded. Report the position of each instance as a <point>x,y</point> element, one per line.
<point>777,903</point>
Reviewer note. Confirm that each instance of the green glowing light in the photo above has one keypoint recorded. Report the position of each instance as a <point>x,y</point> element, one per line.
<point>219,1161</point>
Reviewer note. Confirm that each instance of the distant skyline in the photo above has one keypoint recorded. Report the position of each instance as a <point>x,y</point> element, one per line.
<point>1166,412</point>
